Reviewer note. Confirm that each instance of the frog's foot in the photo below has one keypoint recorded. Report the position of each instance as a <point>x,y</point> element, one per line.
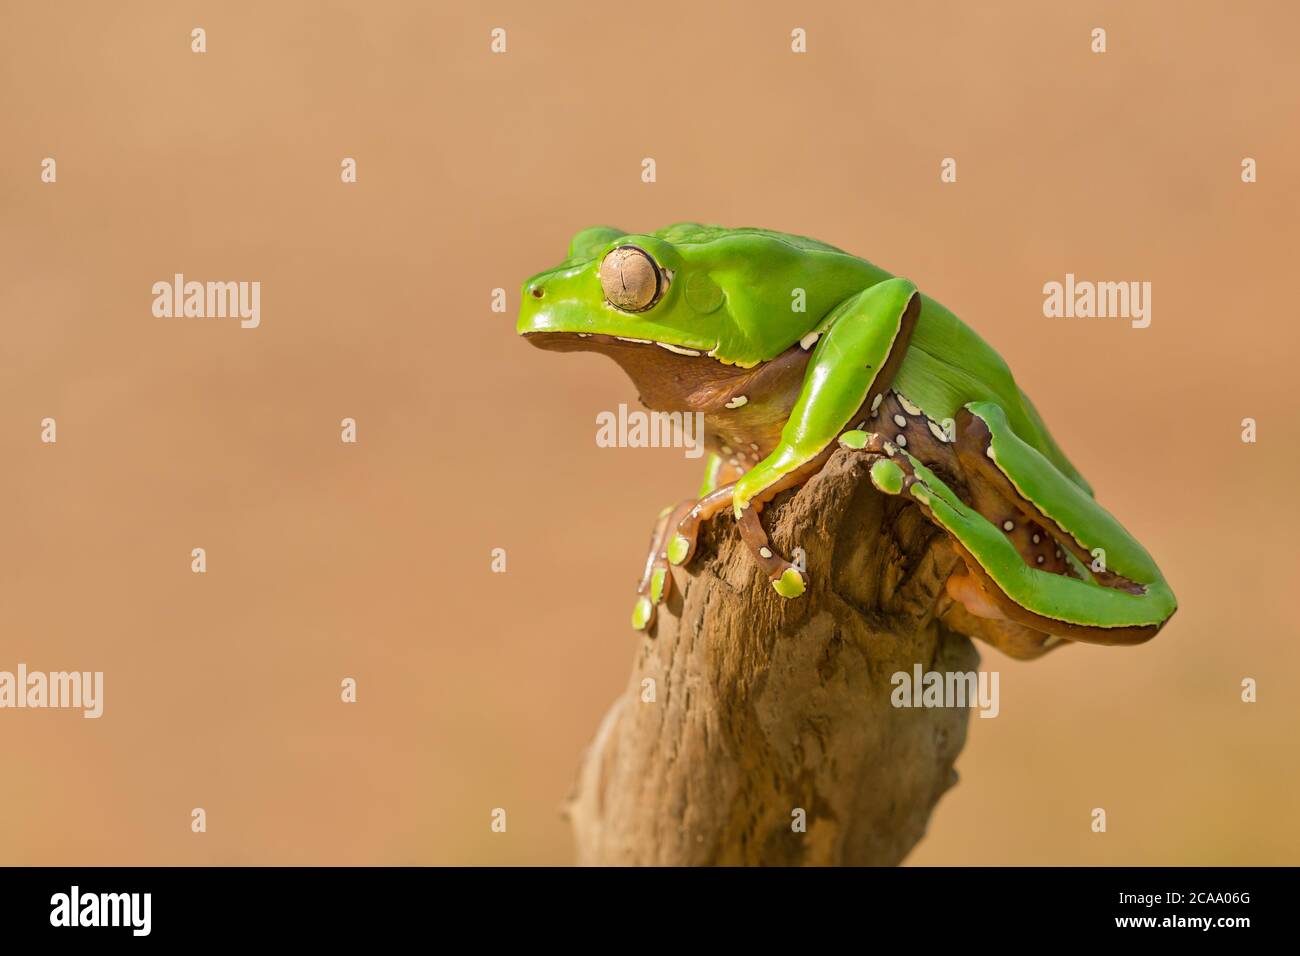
<point>893,474</point>
<point>656,581</point>
<point>686,524</point>
<point>976,613</point>
<point>785,578</point>
<point>858,440</point>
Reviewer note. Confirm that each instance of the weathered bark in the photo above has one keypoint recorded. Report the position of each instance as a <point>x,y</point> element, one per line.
<point>765,706</point>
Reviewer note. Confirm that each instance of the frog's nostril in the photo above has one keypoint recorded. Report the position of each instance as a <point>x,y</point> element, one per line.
<point>537,292</point>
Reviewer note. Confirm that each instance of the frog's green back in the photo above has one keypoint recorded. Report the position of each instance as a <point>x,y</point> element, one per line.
<point>688,232</point>
<point>947,365</point>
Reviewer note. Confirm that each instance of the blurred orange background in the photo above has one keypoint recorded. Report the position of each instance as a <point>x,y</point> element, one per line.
<point>479,690</point>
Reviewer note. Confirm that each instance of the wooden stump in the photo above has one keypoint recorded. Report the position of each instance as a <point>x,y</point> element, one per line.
<point>764,707</point>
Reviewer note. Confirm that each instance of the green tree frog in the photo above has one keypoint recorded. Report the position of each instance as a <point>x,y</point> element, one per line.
<point>792,348</point>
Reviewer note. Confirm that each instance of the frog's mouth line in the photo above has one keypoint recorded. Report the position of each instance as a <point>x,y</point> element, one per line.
<point>612,345</point>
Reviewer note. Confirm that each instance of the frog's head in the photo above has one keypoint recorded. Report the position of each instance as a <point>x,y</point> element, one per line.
<point>739,297</point>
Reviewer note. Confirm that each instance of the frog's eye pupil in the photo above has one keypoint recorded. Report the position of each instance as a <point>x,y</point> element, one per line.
<point>631,279</point>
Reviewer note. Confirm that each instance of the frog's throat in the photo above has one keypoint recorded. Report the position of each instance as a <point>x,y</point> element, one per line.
<point>669,381</point>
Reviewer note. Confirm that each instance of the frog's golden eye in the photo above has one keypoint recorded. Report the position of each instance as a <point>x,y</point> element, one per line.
<point>631,279</point>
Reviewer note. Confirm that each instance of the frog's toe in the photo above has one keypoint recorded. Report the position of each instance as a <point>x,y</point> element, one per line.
<point>790,584</point>
<point>643,614</point>
<point>887,473</point>
<point>787,580</point>
<point>887,476</point>
<point>687,520</point>
<point>855,440</point>
<point>858,440</point>
<point>680,548</point>
<point>656,580</point>
<point>685,536</point>
<point>659,585</point>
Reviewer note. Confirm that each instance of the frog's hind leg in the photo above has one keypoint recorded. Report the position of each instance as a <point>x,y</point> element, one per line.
<point>1019,496</point>
<point>1036,548</point>
<point>1026,532</point>
<point>969,609</point>
<point>967,614</point>
<point>977,612</point>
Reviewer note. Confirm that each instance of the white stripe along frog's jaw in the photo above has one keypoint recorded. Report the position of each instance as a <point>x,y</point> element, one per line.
<point>554,338</point>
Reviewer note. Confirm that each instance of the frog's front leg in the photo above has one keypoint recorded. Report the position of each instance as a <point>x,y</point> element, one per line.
<point>1079,574</point>
<point>849,371</point>
<point>785,577</point>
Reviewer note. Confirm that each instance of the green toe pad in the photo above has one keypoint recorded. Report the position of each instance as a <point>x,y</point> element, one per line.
<point>887,476</point>
<point>641,613</point>
<point>677,549</point>
<point>789,584</point>
<point>657,585</point>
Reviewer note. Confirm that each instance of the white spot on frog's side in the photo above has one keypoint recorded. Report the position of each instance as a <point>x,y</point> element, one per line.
<point>875,402</point>
<point>989,451</point>
<point>908,406</point>
<point>675,348</point>
<point>901,441</point>
<point>765,552</point>
<point>937,431</point>
<point>727,450</point>
<point>1058,552</point>
<point>1039,559</point>
<point>1037,538</point>
<point>809,340</point>
<point>737,401</point>
<point>635,341</point>
<point>890,449</point>
<point>1008,525</point>
<point>753,446</point>
<point>584,335</point>
<point>900,421</point>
